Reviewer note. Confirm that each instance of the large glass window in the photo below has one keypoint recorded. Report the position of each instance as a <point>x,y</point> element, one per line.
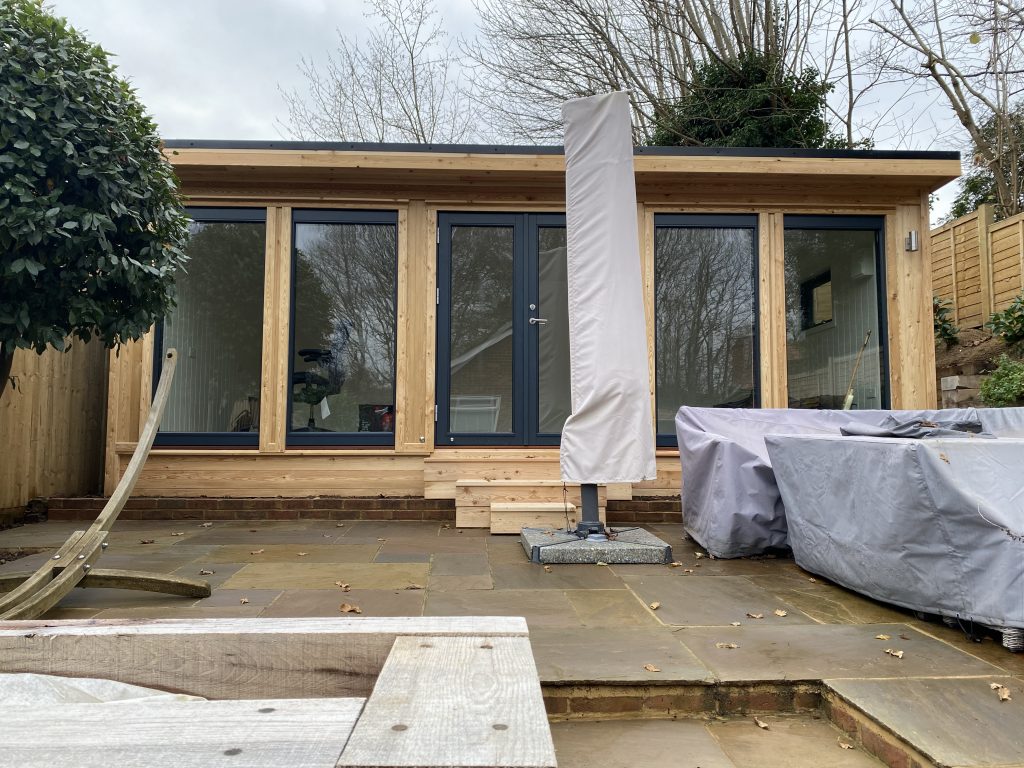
<point>834,325</point>
<point>705,314</point>
<point>343,327</point>
<point>217,328</point>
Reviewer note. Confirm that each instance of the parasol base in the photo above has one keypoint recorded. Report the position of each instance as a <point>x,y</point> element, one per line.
<point>624,546</point>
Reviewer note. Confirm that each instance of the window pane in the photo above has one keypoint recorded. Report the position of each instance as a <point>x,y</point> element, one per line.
<point>481,329</point>
<point>704,319</point>
<point>343,332</point>
<point>217,328</point>
<point>554,398</point>
<point>831,306</point>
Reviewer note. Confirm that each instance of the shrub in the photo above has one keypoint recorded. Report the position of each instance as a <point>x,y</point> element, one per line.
<point>1006,384</point>
<point>1009,324</point>
<point>942,321</point>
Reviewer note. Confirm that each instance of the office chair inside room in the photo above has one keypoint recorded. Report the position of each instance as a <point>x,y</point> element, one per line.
<point>322,378</point>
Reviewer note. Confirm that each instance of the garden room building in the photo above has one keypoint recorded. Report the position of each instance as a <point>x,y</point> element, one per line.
<point>384,327</point>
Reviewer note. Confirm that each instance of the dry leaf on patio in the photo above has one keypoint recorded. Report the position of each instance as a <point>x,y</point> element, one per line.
<point>381,539</point>
<point>1001,691</point>
<point>734,623</point>
<point>904,637</point>
<point>243,601</point>
<point>760,723</point>
<point>674,564</point>
<point>446,526</point>
<point>178,533</point>
<point>651,668</point>
<point>206,525</point>
<point>601,562</point>
<point>944,457</point>
<point>813,581</point>
<point>206,572</point>
<point>148,541</point>
<point>780,612</point>
<point>257,551</point>
<point>415,586</point>
<point>547,569</point>
<point>726,645</point>
<point>339,525</point>
<point>302,554</point>
<point>698,555</point>
<point>655,605</point>
<point>349,608</point>
<point>755,615</point>
<point>883,637</point>
<point>844,745</point>
<point>687,570</point>
<point>892,652</point>
<point>344,587</point>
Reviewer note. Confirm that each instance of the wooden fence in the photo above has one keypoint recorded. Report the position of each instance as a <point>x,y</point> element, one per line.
<point>977,264</point>
<point>51,425</point>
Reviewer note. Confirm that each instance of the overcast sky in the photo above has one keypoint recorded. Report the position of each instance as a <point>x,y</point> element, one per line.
<point>212,69</point>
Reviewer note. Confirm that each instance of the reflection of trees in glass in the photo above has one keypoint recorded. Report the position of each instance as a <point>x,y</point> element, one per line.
<point>217,327</point>
<point>481,304</point>
<point>704,294</point>
<point>345,299</point>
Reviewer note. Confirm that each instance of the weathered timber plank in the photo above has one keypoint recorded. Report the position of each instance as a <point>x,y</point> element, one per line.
<point>180,734</point>
<point>456,701</point>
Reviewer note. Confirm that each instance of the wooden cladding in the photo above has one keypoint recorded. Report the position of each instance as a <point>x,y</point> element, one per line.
<point>977,264</point>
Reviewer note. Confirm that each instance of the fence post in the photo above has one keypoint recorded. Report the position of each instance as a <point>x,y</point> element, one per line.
<point>986,216</point>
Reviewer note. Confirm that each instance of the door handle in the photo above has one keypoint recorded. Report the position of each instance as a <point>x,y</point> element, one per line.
<point>538,321</point>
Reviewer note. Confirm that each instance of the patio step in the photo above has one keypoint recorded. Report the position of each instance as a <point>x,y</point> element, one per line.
<point>512,517</point>
<point>536,503</point>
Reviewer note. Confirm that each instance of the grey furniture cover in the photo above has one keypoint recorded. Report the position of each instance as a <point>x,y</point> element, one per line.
<point>933,525</point>
<point>731,504</point>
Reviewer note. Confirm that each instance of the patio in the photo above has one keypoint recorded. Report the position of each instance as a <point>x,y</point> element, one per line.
<point>595,628</point>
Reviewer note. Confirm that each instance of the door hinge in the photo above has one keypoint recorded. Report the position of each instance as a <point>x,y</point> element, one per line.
<point>435,412</point>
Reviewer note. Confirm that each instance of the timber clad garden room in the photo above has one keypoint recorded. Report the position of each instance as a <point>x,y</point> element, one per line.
<point>390,321</point>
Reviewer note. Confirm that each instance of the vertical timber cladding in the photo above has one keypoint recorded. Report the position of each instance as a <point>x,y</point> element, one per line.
<point>500,183</point>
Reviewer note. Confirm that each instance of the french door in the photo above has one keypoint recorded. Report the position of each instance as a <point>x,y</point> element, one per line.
<point>503,329</point>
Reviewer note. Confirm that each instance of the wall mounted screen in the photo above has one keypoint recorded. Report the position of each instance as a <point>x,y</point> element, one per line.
<point>342,385</point>
<point>217,328</point>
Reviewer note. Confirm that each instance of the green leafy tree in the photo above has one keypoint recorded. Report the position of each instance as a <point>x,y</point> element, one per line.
<point>978,186</point>
<point>749,101</point>
<point>91,223</point>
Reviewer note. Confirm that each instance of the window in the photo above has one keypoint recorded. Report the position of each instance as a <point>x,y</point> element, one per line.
<point>217,328</point>
<point>705,289</point>
<point>343,328</point>
<point>834,312</point>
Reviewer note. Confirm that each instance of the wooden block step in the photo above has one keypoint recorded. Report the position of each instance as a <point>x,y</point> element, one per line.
<point>512,517</point>
<point>486,711</point>
<point>533,506</point>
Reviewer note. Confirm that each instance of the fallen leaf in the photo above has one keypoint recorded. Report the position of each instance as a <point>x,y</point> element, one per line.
<point>178,533</point>
<point>415,586</point>
<point>206,525</point>
<point>381,539</point>
<point>904,637</point>
<point>651,668</point>
<point>349,608</point>
<point>302,554</point>
<point>844,745</point>
<point>148,541</point>
<point>206,572</point>
<point>547,569</point>
<point>655,605</point>
<point>339,525</point>
<point>883,637</point>
<point>698,555</point>
<point>734,623</point>
<point>344,587</point>
<point>760,723</point>
<point>601,562</point>
<point>726,645</point>
<point>755,615</point>
<point>257,552</point>
<point>687,570</point>
<point>446,526</point>
<point>1001,691</point>
<point>944,457</point>
<point>244,600</point>
<point>674,564</point>
<point>780,612</point>
<point>813,581</point>
<point>897,654</point>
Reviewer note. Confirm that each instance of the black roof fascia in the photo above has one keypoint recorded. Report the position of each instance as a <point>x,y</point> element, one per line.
<point>492,149</point>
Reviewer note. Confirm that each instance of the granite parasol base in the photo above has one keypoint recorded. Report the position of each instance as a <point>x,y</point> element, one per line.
<point>624,546</point>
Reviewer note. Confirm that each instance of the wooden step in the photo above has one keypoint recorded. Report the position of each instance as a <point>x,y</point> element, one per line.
<point>512,517</point>
<point>474,498</point>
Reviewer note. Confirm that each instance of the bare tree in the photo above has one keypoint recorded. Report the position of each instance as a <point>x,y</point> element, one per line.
<point>400,83</point>
<point>973,54</point>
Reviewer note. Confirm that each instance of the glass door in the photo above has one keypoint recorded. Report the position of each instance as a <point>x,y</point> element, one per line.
<point>503,354</point>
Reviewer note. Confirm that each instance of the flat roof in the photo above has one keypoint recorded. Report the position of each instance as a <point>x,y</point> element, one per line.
<point>518,149</point>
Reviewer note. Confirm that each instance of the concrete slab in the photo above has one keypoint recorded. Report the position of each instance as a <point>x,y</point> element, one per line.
<point>711,601</point>
<point>411,529</point>
<point>613,655</point>
<point>953,722</point>
<point>815,652</point>
<point>324,575</point>
<point>793,741</point>
<point>626,545</point>
<point>632,743</point>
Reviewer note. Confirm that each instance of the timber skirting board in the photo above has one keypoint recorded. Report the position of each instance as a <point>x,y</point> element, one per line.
<point>74,508</point>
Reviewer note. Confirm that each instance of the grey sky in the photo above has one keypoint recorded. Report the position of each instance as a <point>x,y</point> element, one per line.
<point>211,69</point>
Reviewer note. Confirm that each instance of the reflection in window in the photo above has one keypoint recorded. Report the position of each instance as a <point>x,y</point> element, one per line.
<point>831,308</point>
<point>217,328</point>
<point>554,395</point>
<point>343,327</point>
<point>704,283</point>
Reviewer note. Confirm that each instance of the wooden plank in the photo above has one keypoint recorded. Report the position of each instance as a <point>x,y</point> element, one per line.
<point>772,308</point>
<point>230,658</point>
<point>488,712</point>
<point>532,506</point>
<point>914,333</point>
<point>470,516</point>
<point>274,389</point>
<point>184,734</point>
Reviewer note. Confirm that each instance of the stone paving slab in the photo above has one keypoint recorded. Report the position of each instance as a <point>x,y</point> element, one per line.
<point>322,602</point>
<point>452,564</point>
<point>634,743</point>
<point>533,576</point>
<point>295,553</point>
<point>955,722</point>
<point>793,741</point>
<point>540,608</point>
<point>324,575</point>
<point>817,652</point>
<point>610,608</point>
